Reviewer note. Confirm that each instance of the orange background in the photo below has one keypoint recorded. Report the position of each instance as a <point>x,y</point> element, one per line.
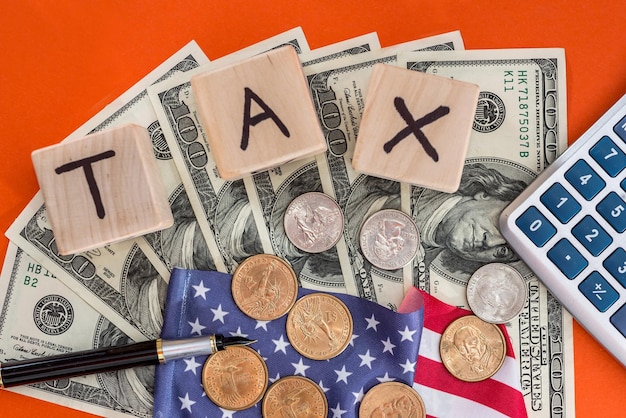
<point>63,61</point>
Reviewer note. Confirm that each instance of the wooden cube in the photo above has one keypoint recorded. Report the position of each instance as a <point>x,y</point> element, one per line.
<point>258,113</point>
<point>102,188</point>
<point>415,128</point>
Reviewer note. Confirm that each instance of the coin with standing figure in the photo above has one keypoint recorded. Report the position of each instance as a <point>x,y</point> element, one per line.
<point>496,293</point>
<point>264,287</point>
<point>319,326</point>
<point>294,396</point>
<point>472,349</point>
<point>235,378</point>
<point>389,239</point>
<point>392,399</point>
<point>313,222</point>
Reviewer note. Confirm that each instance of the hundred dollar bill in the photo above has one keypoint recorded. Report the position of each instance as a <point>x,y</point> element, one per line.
<point>338,89</point>
<point>223,213</point>
<point>520,126</point>
<point>102,276</point>
<point>41,317</point>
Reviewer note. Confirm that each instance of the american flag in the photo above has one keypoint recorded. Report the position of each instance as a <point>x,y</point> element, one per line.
<point>443,394</point>
<point>384,347</point>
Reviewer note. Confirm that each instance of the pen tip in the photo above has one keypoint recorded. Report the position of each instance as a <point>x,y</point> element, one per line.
<point>236,340</point>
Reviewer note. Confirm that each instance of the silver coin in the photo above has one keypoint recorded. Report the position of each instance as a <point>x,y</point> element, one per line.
<point>313,222</point>
<point>389,239</point>
<point>496,293</point>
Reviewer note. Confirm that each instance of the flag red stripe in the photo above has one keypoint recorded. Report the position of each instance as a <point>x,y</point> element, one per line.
<point>490,392</point>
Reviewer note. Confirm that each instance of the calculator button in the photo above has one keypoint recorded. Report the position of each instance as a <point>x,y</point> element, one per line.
<point>623,184</point>
<point>613,210</point>
<point>558,201</point>
<point>567,258</point>
<point>590,234</point>
<point>619,320</point>
<point>615,264</point>
<point>586,181</point>
<point>620,128</point>
<point>536,227</point>
<point>598,291</point>
<point>608,156</point>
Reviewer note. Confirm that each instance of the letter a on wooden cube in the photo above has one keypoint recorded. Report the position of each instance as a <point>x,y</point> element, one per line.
<point>102,188</point>
<point>258,113</point>
<point>415,128</point>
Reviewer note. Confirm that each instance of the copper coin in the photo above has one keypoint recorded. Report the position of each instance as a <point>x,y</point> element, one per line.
<point>496,293</point>
<point>294,396</point>
<point>235,378</point>
<point>264,287</point>
<point>319,326</point>
<point>392,399</point>
<point>313,222</point>
<point>389,239</point>
<point>472,349</point>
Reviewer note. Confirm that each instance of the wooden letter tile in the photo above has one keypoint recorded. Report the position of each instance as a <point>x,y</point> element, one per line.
<point>415,128</point>
<point>258,113</point>
<point>102,188</point>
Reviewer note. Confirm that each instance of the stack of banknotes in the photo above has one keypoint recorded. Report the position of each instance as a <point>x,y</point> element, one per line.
<point>52,304</point>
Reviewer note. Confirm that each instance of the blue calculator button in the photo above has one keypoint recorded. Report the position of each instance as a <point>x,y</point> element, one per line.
<point>615,264</point>
<point>598,291</point>
<point>558,201</point>
<point>536,227</point>
<point>586,181</point>
<point>613,210</point>
<point>618,319</point>
<point>590,234</point>
<point>609,156</point>
<point>623,184</point>
<point>567,258</point>
<point>620,129</point>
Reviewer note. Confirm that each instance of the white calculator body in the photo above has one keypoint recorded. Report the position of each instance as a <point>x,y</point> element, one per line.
<point>568,227</point>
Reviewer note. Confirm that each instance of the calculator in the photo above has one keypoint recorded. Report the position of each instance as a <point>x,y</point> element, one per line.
<point>568,227</point>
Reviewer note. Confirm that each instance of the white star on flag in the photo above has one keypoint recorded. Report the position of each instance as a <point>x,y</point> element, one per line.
<point>366,359</point>
<point>372,323</point>
<point>281,345</point>
<point>337,411</point>
<point>186,402</point>
<point>192,365</point>
<point>200,290</point>
<point>196,328</point>
<point>300,367</point>
<point>219,314</point>
<point>407,334</point>
<point>342,375</point>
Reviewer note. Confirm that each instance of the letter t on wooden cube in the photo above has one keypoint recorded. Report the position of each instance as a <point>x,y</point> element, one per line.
<point>258,113</point>
<point>415,128</point>
<point>102,188</point>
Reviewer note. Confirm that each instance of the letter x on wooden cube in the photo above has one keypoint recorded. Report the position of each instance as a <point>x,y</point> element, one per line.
<point>258,113</point>
<point>102,188</point>
<point>415,128</point>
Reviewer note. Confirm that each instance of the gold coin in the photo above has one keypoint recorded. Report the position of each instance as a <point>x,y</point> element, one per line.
<point>472,349</point>
<point>264,287</point>
<point>235,378</point>
<point>392,399</point>
<point>319,326</point>
<point>294,396</point>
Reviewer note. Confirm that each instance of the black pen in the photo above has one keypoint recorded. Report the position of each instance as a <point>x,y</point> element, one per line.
<point>101,360</point>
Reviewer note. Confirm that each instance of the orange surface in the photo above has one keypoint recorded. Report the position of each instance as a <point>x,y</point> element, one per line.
<point>63,61</point>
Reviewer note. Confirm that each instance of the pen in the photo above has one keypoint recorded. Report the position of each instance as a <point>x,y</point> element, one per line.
<point>101,360</point>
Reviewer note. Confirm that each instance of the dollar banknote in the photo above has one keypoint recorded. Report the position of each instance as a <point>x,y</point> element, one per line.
<point>225,213</point>
<point>112,278</point>
<point>338,90</point>
<point>40,317</point>
<point>520,126</point>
